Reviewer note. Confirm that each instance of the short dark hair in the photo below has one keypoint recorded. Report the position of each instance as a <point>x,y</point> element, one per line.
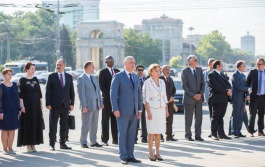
<point>216,63</point>
<point>139,66</point>
<point>261,59</point>
<point>28,65</point>
<point>239,63</point>
<point>87,63</point>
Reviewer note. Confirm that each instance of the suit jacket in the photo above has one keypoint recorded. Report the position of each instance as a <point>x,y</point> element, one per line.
<point>89,97</point>
<point>206,89</point>
<point>191,86</point>
<point>252,81</point>
<point>105,78</point>
<point>170,87</point>
<point>124,96</point>
<point>239,87</point>
<point>56,95</point>
<point>218,86</point>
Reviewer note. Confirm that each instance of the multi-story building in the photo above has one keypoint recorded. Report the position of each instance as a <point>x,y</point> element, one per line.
<point>248,44</point>
<point>169,31</point>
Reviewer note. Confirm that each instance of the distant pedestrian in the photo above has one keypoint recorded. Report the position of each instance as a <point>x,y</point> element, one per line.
<point>9,111</point>
<point>30,132</point>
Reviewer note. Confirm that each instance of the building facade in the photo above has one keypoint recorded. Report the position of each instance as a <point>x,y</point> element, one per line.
<point>248,44</point>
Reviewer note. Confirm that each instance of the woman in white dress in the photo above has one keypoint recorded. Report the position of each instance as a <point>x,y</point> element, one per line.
<point>155,100</point>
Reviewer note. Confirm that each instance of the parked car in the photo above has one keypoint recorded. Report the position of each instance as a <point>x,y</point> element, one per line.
<point>37,73</point>
<point>17,76</point>
<point>79,71</point>
<point>178,98</point>
<point>74,74</point>
<point>43,77</point>
<point>1,78</point>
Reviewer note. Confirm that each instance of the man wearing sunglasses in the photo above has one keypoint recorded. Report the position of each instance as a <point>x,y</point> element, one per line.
<point>256,81</point>
<point>140,73</point>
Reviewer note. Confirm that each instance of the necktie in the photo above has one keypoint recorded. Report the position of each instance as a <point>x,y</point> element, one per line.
<point>112,72</point>
<point>167,80</point>
<point>195,75</point>
<point>141,81</point>
<point>260,82</point>
<point>61,80</point>
<point>131,79</point>
<point>93,82</point>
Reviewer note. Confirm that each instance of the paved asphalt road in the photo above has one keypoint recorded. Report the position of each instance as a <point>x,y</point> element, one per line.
<point>243,152</point>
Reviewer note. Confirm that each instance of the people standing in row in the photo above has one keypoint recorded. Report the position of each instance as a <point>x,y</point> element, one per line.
<point>193,86</point>
<point>156,102</point>
<point>220,92</point>
<point>9,111</point>
<point>256,82</point>
<point>90,104</point>
<point>30,132</point>
<point>60,98</point>
<point>206,90</point>
<point>239,96</point>
<point>171,91</point>
<point>126,100</point>
<point>140,74</point>
<point>105,77</point>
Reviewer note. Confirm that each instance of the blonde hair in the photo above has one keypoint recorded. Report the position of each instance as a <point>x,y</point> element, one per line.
<point>6,70</point>
<point>153,67</point>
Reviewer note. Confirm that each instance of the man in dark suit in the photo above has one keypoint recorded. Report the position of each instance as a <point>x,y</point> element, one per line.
<point>139,72</point>
<point>60,97</point>
<point>220,92</point>
<point>171,91</point>
<point>105,77</point>
<point>239,95</point>
<point>256,80</point>
<point>193,86</point>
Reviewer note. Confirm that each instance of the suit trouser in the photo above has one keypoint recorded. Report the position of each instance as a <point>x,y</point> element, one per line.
<point>189,110</point>
<point>127,133</point>
<point>108,116</point>
<point>217,122</point>
<point>237,117</point>
<point>143,125</point>
<point>170,119</point>
<point>54,116</point>
<point>89,124</point>
<point>254,107</point>
<point>245,121</point>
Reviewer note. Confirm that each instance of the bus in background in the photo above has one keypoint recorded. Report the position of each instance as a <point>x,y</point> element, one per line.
<point>18,66</point>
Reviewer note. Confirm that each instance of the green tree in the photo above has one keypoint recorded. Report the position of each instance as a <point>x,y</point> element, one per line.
<point>214,45</point>
<point>175,62</point>
<point>144,49</point>
<point>66,47</point>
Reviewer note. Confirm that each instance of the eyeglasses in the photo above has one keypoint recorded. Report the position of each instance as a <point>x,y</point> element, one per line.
<point>259,64</point>
<point>195,60</point>
<point>140,70</point>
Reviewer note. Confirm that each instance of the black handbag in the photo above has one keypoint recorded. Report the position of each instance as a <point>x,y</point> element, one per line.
<point>71,122</point>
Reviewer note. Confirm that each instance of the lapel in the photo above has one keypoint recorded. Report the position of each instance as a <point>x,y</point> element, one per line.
<point>88,81</point>
<point>127,79</point>
<point>108,72</point>
<point>191,74</point>
<point>58,79</point>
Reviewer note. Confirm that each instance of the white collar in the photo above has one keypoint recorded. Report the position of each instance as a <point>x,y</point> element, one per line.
<point>127,72</point>
<point>88,75</point>
<point>192,68</point>
<point>217,71</point>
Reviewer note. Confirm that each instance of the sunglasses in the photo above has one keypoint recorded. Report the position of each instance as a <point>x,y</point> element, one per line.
<point>140,70</point>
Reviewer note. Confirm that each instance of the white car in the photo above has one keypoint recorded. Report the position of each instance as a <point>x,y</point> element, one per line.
<point>17,77</point>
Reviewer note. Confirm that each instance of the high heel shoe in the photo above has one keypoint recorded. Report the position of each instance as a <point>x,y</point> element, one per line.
<point>152,159</point>
<point>158,158</point>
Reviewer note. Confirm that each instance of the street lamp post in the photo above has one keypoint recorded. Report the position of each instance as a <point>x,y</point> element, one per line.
<point>58,31</point>
<point>190,28</point>
<point>163,40</point>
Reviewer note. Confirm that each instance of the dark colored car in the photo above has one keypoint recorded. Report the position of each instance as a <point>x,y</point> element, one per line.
<point>178,98</point>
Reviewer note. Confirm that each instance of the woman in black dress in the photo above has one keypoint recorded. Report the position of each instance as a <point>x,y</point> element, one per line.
<point>9,111</point>
<point>30,132</point>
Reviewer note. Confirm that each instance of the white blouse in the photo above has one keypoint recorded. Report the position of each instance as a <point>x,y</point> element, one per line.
<point>154,95</point>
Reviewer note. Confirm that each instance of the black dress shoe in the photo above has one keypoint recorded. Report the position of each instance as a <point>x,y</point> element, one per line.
<point>199,139</point>
<point>144,140</point>
<point>225,137</point>
<point>241,135</point>
<point>52,148</point>
<point>189,139</point>
<point>124,162</point>
<point>171,139</point>
<point>65,147</point>
<point>84,146</point>
<point>162,138</point>
<point>105,144</point>
<point>96,145</point>
<point>133,160</point>
<point>210,135</point>
<point>115,142</point>
<point>215,138</point>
